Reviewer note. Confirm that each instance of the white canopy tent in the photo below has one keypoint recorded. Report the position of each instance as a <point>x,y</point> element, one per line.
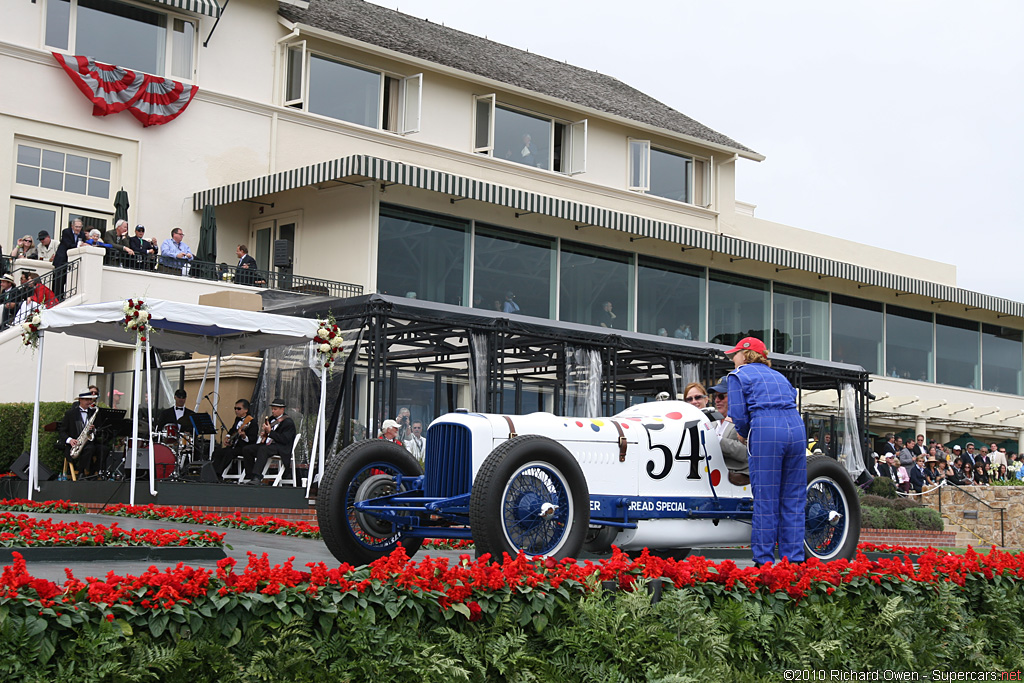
<point>183,327</point>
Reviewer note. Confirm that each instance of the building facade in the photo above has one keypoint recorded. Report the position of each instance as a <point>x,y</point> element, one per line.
<point>415,160</point>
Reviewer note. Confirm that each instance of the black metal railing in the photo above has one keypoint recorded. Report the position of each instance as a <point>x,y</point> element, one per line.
<point>224,272</point>
<point>1002,521</point>
<point>61,282</point>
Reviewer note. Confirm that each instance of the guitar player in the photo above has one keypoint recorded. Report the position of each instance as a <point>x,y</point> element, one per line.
<point>243,433</point>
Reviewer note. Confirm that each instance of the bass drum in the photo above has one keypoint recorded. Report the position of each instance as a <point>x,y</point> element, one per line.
<point>164,459</point>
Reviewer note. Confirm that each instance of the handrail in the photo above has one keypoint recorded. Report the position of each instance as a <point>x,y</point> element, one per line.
<point>224,272</point>
<point>1002,517</point>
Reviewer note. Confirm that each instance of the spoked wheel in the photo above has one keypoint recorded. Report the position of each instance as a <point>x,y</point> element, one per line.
<point>530,494</point>
<point>832,526</point>
<point>363,471</point>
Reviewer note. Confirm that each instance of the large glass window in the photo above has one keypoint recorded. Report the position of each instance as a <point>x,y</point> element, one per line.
<point>126,35</point>
<point>668,174</point>
<point>507,263</point>
<point>857,332</point>
<point>1001,352</point>
<point>522,138</point>
<point>422,256</point>
<point>957,352</point>
<point>800,322</point>
<point>738,307</point>
<point>530,139</point>
<point>670,299</point>
<point>596,286</point>
<point>53,169</point>
<point>344,92</point>
<point>908,343</point>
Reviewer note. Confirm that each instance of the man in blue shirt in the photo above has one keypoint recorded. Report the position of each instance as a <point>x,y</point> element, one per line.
<point>762,405</point>
<point>174,253</point>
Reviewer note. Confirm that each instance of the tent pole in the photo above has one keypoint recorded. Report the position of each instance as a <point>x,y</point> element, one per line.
<point>33,469</point>
<point>216,393</point>
<point>202,385</point>
<point>322,421</point>
<point>137,378</point>
<point>149,416</point>
<point>317,465</point>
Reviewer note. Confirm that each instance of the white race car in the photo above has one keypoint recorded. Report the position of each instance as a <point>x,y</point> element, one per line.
<point>652,476</point>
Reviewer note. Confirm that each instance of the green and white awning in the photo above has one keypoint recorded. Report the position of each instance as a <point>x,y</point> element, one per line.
<point>354,168</point>
<point>210,8</point>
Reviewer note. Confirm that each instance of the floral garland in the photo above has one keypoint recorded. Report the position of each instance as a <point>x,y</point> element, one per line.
<point>30,330</point>
<point>328,341</point>
<point>136,319</point>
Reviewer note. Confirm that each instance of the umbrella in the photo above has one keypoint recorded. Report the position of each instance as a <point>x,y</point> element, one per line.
<point>121,206</point>
<point>207,250</point>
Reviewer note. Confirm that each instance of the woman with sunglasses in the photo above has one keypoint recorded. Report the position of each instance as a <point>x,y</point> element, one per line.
<point>696,395</point>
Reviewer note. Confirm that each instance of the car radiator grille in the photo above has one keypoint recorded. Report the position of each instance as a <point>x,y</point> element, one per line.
<point>449,461</point>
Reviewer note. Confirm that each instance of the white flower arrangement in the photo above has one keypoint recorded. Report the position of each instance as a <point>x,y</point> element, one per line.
<point>30,330</point>
<point>136,319</point>
<point>328,341</point>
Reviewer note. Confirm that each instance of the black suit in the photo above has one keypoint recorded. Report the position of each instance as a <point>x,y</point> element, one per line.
<point>145,252</point>
<point>282,437</point>
<point>246,273</point>
<point>167,416</point>
<point>222,456</point>
<point>68,240</point>
<point>94,455</point>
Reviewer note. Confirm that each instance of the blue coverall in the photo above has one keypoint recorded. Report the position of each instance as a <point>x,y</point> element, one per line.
<point>762,405</point>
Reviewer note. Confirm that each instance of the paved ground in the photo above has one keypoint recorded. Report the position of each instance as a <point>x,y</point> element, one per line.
<point>277,548</point>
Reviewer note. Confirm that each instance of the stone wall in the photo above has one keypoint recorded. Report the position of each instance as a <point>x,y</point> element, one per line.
<point>955,502</point>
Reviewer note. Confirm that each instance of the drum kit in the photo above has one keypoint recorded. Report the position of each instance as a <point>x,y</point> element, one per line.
<point>173,451</point>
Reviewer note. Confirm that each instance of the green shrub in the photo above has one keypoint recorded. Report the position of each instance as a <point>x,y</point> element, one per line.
<point>51,452</point>
<point>882,486</point>
<point>15,419</point>
<point>872,517</point>
<point>925,518</point>
<point>889,503</point>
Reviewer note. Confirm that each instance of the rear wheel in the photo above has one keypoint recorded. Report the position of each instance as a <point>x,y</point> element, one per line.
<point>363,471</point>
<point>530,495</point>
<point>832,526</point>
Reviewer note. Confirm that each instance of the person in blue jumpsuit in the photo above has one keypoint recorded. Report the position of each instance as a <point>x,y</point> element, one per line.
<point>762,405</point>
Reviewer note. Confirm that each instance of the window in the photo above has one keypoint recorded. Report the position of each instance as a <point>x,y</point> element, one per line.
<point>800,322</point>
<point>596,286</point>
<point>670,299</point>
<point>908,343</point>
<point>507,262</point>
<point>422,255</point>
<point>127,35</point>
<point>668,174</point>
<point>738,307</point>
<point>31,217</point>
<point>957,352</point>
<point>324,85</point>
<point>530,139</point>
<point>53,169</point>
<point>1001,353</point>
<point>857,332</point>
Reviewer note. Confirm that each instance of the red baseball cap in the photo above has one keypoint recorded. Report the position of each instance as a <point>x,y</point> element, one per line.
<point>749,344</point>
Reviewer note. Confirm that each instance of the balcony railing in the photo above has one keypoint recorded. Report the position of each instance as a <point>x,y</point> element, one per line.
<point>223,272</point>
<point>18,301</point>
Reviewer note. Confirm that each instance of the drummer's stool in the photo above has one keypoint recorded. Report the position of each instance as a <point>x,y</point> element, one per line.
<point>275,461</point>
<point>64,473</point>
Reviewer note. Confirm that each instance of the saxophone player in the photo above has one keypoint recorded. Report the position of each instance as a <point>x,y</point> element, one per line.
<point>275,438</point>
<point>93,457</point>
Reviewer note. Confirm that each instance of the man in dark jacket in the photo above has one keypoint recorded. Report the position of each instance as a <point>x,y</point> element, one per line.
<point>174,413</point>
<point>145,250</point>
<point>71,238</point>
<point>276,437</point>
<point>93,457</point>
<point>119,245</point>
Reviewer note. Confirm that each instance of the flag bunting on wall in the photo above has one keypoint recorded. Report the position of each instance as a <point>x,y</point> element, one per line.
<point>153,100</point>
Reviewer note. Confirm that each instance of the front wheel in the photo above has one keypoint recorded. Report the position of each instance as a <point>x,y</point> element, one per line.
<point>529,495</point>
<point>362,471</point>
<point>832,526</point>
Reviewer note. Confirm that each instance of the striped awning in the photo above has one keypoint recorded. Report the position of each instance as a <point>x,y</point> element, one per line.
<point>362,166</point>
<point>210,8</point>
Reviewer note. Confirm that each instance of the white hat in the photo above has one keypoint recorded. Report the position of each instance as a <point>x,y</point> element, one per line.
<point>388,424</point>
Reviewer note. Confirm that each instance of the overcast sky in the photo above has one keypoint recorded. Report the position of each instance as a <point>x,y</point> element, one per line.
<point>898,123</point>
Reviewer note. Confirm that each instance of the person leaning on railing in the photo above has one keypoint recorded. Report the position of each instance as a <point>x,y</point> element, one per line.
<point>174,253</point>
<point>145,250</point>
<point>119,244</point>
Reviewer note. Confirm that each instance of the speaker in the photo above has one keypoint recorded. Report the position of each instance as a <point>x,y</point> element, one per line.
<point>201,470</point>
<point>20,468</point>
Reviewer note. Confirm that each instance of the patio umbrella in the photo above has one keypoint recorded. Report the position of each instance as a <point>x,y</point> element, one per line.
<point>120,206</point>
<point>207,250</point>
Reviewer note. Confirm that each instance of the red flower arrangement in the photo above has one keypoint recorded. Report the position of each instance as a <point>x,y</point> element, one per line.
<point>18,531</point>
<point>271,525</point>
<point>55,506</point>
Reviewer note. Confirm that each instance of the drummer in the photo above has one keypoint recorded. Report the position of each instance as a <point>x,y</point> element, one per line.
<point>175,413</point>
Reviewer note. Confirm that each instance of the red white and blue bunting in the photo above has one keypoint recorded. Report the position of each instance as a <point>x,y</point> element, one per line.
<point>153,100</point>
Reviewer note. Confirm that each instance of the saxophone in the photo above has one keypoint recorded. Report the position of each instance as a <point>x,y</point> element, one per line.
<point>85,437</point>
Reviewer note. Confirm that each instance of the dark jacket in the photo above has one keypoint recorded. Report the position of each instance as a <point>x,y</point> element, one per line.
<point>166,416</point>
<point>251,431</point>
<point>916,478</point>
<point>246,273</point>
<point>141,246</point>
<point>71,425</point>
<point>68,240</point>
<point>284,435</point>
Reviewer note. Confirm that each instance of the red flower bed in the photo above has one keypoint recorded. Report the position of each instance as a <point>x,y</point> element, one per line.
<point>56,506</point>
<point>270,525</point>
<point>17,531</point>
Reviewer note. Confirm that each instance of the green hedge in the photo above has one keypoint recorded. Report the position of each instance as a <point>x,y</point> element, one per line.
<point>697,634</point>
<point>16,433</point>
<point>881,512</point>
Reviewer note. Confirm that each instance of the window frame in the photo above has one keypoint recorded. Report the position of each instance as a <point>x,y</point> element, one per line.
<point>639,179</point>
<point>169,14</point>
<point>50,195</point>
<point>572,162</point>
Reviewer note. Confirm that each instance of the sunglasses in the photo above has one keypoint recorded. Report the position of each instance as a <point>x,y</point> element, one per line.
<point>694,399</point>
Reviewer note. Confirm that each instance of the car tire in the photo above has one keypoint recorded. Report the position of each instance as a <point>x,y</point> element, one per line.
<point>529,495</point>
<point>363,470</point>
<point>832,524</point>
